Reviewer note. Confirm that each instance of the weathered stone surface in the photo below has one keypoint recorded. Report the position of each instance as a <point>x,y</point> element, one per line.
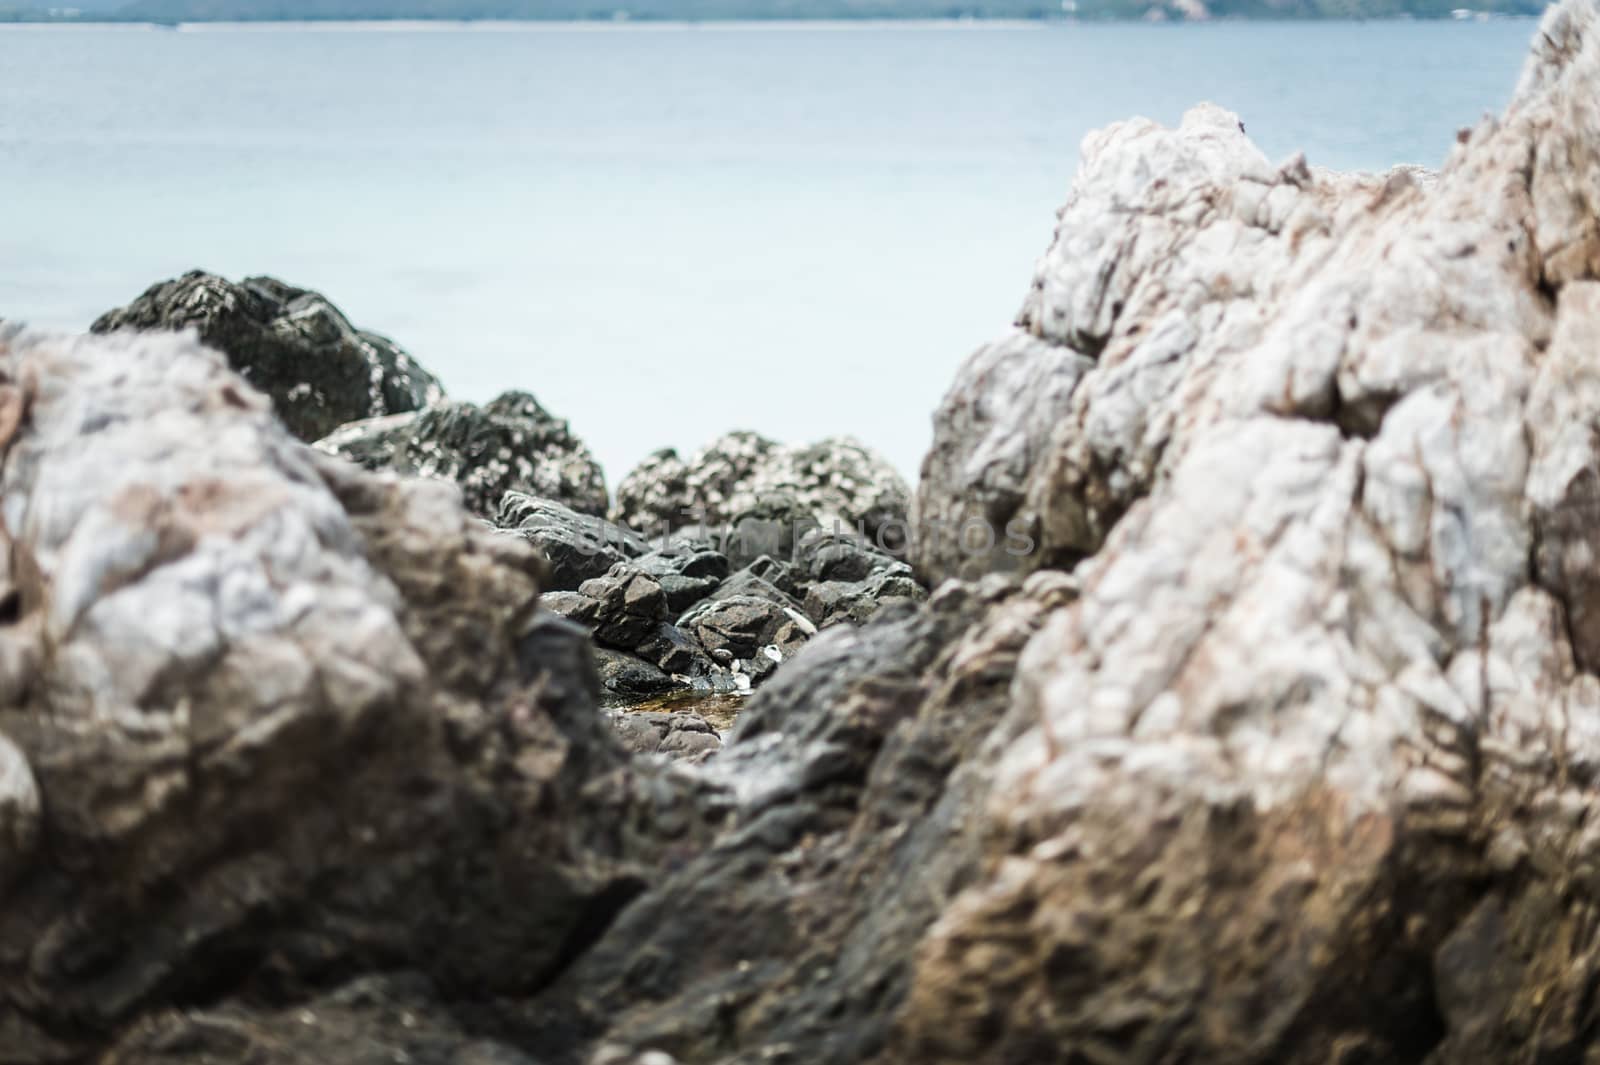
<point>742,476</point>
<point>1303,776</point>
<point>574,606</point>
<point>830,603</point>
<point>771,526</point>
<point>630,606</point>
<point>842,483</point>
<point>741,625</point>
<point>285,723</point>
<point>291,343</point>
<point>684,592</point>
<point>827,556</point>
<point>651,495</point>
<point>627,677</point>
<point>679,734</point>
<point>764,578</point>
<point>510,444</point>
<point>579,547</point>
<point>717,642</point>
<point>686,558</point>
<point>688,569</point>
<point>1177,248</point>
<point>675,653</point>
<point>990,432</point>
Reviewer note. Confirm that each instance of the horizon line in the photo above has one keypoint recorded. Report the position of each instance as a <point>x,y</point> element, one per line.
<point>434,24</point>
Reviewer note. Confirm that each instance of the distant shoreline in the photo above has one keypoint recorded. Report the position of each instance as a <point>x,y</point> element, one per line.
<point>424,25</point>
<point>13,20</point>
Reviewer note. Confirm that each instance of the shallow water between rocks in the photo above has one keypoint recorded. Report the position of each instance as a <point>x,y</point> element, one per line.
<point>719,709</point>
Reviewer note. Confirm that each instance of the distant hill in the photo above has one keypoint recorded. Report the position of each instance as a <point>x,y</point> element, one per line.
<point>708,10</point>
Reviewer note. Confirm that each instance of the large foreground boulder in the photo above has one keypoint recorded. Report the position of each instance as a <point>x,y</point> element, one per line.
<point>1311,770</point>
<point>268,722</point>
<point>289,342</point>
<point>510,444</point>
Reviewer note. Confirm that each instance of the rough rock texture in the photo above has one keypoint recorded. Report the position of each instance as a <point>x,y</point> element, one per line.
<point>1309,772</point>
<point>631,678</point>
<point>268,722</point>
<point>770,524</point>
<point>292,344</point>
<point>688,570</point>
<point>1299,764</point>
<point>629,605</point>
<point>857,769</point>
<point>829,603</point>
<point>742,626</point>
<point>837,480</point>
<point>667,614</point>
<point>677,734</point>
<point>510,444</point>
<point>990,432</point>
<point>578,547</point>
<point>780,518</point>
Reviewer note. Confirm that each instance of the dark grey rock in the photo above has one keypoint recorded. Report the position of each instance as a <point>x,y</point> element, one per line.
<point>671,649</point>
<point>772,524</point>
<point>631,605</point>
<point>579,547</point>
<point>684,592</point>
<point>739,625</point>
<point>291,343</point>
<point>761,665</point>
<point>510,444</point>
<point>749,582</point>
<point>779,575</point>
<point>689,570</point>
<point>629,676</point>
<point>828,556</point>
<point>686,557</point>
<point>375,1020</point>
<point>575,606</point>
<point>856,602</point>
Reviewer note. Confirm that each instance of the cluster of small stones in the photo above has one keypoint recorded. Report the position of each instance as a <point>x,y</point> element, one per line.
<point>674,614</point>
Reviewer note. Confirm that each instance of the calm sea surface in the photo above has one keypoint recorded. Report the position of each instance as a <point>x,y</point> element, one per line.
<point>662,232</point>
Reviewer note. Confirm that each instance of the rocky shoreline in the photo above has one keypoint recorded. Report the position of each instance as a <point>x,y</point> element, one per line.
<point>702,578</point>
<point>1262,727</point>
